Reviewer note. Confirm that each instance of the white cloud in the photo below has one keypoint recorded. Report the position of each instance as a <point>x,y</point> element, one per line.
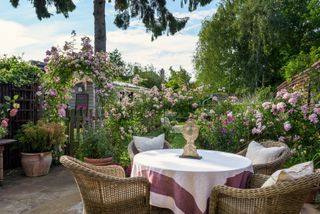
<point>198,15</point>
<point>32,41</point>
<point>166,51</point>
<point>134,44</point>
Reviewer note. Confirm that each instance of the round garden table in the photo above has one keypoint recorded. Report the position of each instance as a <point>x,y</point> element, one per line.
<point>184,185</point>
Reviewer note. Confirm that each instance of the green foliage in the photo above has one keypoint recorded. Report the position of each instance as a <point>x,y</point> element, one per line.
<point>116,59</point>
<point>246,43</point>
<point>3,132</point>
<point>93,143</point>
<point>301,62</point>
<point>149,75</point>
<point>41,7</point>
<point>178,78</point>
<point>17,72</point>
<point>224,126</point>
<point>41,137</point>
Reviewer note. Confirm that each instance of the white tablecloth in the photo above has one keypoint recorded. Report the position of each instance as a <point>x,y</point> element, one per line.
<point>184,185</point>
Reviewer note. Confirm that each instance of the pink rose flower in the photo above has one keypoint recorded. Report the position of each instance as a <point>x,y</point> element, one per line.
<point>13,112</point>
<point>38,93</point>
<point>286,96</point>
<point>62,110</point>
<point>281,93</point>
<point>313,118</point>
<point>52,92</point>
<point>316,111</point>
<point>287,126</point>
<point>293,100</point>
<point>256,130</point>
<point>4,123</point>
<point>304,109</point>
<point>230,116</point>
<point>281,107</point>
<point>266,105</point>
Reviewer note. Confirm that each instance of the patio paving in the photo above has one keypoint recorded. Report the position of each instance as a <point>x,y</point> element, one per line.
<point>55,193</point>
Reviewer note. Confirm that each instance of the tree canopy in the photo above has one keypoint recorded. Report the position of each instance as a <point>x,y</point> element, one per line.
<point>153,13</point>
<point>178,78</point>
<point>41,7</point>
<point>248,43</point>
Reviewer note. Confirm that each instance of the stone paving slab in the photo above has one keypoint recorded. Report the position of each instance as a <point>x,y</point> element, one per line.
<point>55,193</point>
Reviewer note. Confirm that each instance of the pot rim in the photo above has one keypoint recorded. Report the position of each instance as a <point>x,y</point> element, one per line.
<point>35,153</point>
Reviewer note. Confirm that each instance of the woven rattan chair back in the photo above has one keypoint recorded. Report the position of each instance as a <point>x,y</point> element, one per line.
<point>132,150</point>
<point>105,189</point>
<point>271,167</point>
<point>283,198</point>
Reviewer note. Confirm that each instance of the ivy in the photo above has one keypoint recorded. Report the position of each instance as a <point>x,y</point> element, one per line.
<point>15,71</point>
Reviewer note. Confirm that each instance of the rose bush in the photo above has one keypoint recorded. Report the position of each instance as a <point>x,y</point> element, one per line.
<point>7,109</point>
<point>229,126</point>
<point>65,67</point>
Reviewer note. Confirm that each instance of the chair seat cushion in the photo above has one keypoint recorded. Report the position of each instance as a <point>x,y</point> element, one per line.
<point>259,154</point>
<point>289,174</point>
<point>146,144</point>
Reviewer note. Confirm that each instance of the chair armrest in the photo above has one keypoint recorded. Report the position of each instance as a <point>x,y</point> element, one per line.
<point>112,170</point>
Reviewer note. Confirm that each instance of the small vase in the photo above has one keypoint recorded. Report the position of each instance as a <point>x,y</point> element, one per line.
<point>99,161</point>
<point>36,164</point>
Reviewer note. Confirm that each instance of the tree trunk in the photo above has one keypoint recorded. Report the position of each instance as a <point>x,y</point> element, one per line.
<point>99,26</point>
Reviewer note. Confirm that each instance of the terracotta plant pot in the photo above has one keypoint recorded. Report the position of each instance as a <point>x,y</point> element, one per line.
<point>99,161</point>
<point>36,164</point>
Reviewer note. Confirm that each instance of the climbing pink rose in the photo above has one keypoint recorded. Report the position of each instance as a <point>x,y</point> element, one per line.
<point>4,123</point>
<point>52,92</point>
<point>13,112</point>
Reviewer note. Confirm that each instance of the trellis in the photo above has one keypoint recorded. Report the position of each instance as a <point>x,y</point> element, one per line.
<point>28,112</point>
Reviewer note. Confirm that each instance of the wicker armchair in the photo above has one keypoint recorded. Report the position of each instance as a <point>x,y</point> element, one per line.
<point>104,189</point>
<point>132,150</point>
<point>271,167</point>
<point>283,198</point>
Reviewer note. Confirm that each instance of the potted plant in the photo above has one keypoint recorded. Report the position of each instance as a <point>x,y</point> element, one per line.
<point>94,147</point>
<point>38,141</point>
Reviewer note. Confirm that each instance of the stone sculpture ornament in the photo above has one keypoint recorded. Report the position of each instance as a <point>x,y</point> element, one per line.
<point>190,133</point>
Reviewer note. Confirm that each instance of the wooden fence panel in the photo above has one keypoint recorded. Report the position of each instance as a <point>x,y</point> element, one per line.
<point>76,120</point>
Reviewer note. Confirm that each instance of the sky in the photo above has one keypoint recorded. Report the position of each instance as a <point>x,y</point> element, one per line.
<point>22,34</point>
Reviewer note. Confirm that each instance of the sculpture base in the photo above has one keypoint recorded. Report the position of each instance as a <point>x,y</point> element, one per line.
<point>191,157</point>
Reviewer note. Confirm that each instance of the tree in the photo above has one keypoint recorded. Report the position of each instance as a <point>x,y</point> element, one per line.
<point>154,14</point>
<point>178,78</point>
<point>148,75</point>
<point>247,42</point>
<point>41,7</point>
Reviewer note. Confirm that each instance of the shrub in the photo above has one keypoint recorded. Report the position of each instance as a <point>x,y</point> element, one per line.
<point>41,137</point>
